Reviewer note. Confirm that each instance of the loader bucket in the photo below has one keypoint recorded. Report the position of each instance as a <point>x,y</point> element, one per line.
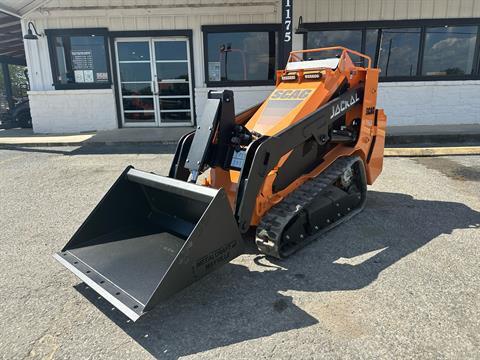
<point>149,237</point>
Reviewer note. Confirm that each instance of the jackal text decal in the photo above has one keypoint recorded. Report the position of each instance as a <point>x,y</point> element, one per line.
<point>344,105</point>
<point>299,94</point>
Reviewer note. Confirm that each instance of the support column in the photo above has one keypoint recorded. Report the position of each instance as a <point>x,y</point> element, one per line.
<point>287,33</point>
<point>7,82</point>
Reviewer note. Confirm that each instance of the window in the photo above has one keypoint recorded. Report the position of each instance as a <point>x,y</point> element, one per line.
<point>398,53</point>
<point>371,38</point>
<point>351,39</point>
<point>79,58</point>
<point>240,55</point>
<point>449,50</point>
<point>408,49</point>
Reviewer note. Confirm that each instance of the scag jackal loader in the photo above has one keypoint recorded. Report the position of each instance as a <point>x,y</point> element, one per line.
<point>291,168</point>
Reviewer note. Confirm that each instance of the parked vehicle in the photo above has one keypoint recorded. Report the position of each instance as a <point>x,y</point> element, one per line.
<point>19,115</point>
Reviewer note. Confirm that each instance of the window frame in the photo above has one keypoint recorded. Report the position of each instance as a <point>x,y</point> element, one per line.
<point>208,29</point>
<point>52,33</point>
<point>423,24</point>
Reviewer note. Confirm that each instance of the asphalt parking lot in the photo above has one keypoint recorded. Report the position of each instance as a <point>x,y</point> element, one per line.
<point>399,280</point>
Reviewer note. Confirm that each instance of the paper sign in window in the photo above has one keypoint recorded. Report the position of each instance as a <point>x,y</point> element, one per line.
<point>101,76</point>
<point>88,76</point>
<point>214,71</point>
<point>79,78</point>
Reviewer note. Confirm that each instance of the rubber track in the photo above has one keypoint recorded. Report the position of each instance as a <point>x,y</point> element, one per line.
<point>269,231</point>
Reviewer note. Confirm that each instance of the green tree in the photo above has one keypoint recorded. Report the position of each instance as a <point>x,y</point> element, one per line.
<point>18,79</point>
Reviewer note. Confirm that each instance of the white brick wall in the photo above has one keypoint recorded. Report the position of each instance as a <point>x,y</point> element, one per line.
<point>64,111</point>
<point>49,108</point>
<point>431,102</point>
<point>405,103</point>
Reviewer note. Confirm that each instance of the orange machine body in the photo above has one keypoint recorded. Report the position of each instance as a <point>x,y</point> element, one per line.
<point>291,101</point>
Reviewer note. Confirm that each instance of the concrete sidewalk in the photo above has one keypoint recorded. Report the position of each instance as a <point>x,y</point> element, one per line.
<point>26,137</point>
<point>433,134</point>
<point>420,135</point>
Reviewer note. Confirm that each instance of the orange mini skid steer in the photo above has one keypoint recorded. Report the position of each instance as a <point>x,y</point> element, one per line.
<point>291,168</point>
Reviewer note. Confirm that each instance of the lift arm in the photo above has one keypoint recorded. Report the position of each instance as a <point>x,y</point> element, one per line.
<point>265,153</point>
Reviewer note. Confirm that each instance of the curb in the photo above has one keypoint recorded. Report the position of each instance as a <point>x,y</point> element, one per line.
<point>432,151</point>
<point>432,139</point>
<point>41,144</point>
<point>86,143</point>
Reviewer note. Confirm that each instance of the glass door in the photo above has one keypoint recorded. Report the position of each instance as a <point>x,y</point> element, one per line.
<point>173,81</point>
<point>135,76</point>
<point>155,81</point>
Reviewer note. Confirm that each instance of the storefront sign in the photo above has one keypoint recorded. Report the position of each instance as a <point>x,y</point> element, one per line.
<point>82,60</point>
<point>82,63</point>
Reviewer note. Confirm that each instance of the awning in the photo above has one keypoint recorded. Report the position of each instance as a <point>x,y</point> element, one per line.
<point>11,41</point>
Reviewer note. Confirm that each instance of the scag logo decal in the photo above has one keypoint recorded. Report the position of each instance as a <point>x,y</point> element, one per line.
<point>299,94</point>
<point>344,105</point>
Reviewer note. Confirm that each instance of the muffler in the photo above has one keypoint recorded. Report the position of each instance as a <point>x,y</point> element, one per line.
<point>150,237</point>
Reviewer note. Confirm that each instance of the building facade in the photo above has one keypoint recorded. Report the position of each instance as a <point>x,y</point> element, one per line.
<point>139,63</point>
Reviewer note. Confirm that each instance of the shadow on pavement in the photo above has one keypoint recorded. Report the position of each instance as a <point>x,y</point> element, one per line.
<point>235,304</point>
